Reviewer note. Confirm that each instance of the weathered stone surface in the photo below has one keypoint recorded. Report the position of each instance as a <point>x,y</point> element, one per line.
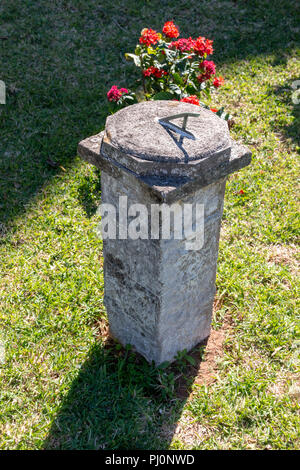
<point>158,294</point>
<point>146,147</point>
<point>166,188</point>
<point>154,287</point>
<point>136,132</point>
<point>151,262</point>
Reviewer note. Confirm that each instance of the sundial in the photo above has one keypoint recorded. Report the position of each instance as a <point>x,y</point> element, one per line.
<point>148,140</point>
<point>173,129</point>
<point>159,288</point>
<point>165,137</point>
<point>182,131</point>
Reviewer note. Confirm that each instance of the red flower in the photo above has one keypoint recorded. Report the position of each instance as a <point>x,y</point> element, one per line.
<point>154,71</point>
<point>218,81</point>
<point>115,93</point>
<point>199,46</point>
<point>191,99</point>
<point>208,67</point>
<point>241,191</point>
<point>149,37</point>
<point>208,47</point>
<point>203,46</point>
<point>170,30</point>
<point>214,110</point>
<point>183,45</point>
<point>201,78</point>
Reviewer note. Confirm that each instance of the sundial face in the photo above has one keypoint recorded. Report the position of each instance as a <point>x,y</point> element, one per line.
<point>182,131</point>
<point>167,132</point>
<point>172,129</point>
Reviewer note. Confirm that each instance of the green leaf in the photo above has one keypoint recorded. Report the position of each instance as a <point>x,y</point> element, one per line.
<point>223,115</point>
<point>192,86</point>
<point>175,88</point>
<point>206,91</point>
<point>150,50</point>
<point>134,57</point>
<point>163,95</point>
<point>191,360</point>
<point>160,57</point>
<point>177,78</point>
<point>204,105</point>
<point>163,365</point>
<point>156,63</point>
<point>170,54</point>
<point>183,58</point>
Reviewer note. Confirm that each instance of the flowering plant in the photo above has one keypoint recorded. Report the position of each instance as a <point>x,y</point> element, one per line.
<point>172,68</point>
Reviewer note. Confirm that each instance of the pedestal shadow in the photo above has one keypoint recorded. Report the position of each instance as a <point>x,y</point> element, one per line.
<point>119,401</point>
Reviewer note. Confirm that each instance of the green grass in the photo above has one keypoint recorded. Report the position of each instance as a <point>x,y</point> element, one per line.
<point>62,386</point>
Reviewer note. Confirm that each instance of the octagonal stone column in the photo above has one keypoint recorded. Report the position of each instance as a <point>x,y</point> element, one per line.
<point>159,294</point>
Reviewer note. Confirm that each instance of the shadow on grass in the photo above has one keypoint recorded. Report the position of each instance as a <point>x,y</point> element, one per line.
<point>89,193</point>
<point>57,77</point>
<point>289,94</point>
<point>119,401</point>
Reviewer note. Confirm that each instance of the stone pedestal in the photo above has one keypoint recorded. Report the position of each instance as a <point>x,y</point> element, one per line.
<point>159,294</point>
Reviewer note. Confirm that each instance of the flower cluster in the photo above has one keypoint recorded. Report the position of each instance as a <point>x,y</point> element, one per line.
<point>218,81</point>
<point>191,99</point>
<point>200,46</point>
<point>149,37</point>
<point>172,68</point>
<point>183,45</point>
<point>115,93</point>
<point>208,68</point>
<point>203,46</point>
<point>154,71</point>
<point>170,30</point>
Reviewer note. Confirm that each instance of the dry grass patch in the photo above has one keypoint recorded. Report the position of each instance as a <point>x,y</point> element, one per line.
<point>188,431</point>
<point>285,254</point>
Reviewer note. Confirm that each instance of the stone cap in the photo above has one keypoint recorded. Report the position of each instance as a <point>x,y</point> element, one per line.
<point>166,188</point>
<point>166,138</point>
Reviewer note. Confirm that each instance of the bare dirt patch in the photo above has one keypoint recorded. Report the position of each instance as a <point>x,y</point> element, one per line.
<point>214,350</point>
<point>206,357</point>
